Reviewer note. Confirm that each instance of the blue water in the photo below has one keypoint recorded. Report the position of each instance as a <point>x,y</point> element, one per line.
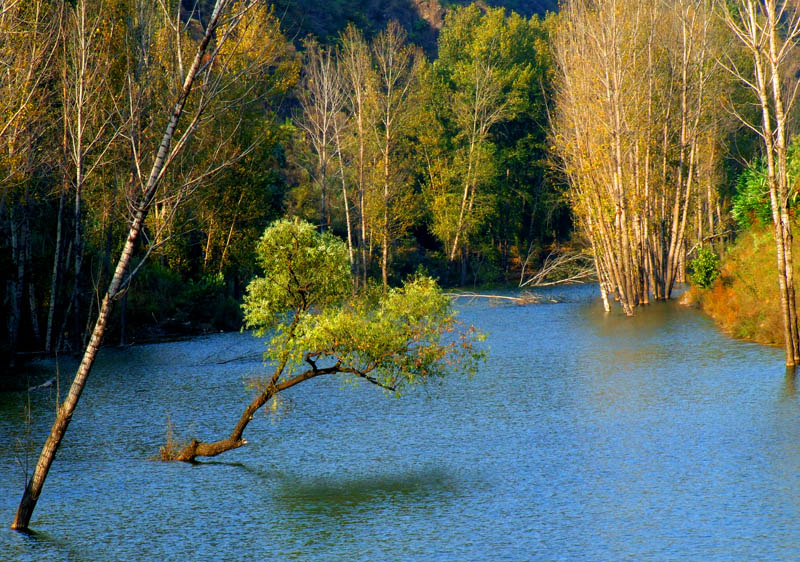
<point>585,436</point>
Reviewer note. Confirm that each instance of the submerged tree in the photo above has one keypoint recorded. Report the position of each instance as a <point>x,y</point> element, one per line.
<point>396,340</point>
<point>635,124</point>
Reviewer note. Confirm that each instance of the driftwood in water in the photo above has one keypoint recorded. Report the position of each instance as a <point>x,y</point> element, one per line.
<point>522,300</point>
<point>561,266</point>
<point>46,384</point>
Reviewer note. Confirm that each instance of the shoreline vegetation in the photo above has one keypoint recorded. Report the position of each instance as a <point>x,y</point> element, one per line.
<point>309,126</point>
<point>743,301</point>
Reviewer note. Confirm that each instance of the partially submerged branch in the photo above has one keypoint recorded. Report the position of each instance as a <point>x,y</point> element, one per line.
<point>524,299</point>
<point>196,448</point>
<point>560,267</point>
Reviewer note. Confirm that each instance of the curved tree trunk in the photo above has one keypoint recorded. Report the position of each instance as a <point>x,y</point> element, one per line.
<point>235,440</point>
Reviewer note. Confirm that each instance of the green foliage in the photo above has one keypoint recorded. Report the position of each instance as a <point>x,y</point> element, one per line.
<point>402,337</point>
<point>751,202</point>
<point>325,20</point>
<point>207,301</point>
<point>504,61</point>
<point>162,300</point>
<point>302,268</point>
<point>705,268</point>
<point>397,339</point>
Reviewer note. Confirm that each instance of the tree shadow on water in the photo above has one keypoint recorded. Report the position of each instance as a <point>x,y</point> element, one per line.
<point>341,495</point>
<point>256,471</point>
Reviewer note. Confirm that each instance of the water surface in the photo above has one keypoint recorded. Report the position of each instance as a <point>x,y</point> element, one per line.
<point>585,436</point>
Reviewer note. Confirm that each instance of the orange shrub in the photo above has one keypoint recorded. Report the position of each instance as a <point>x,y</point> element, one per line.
<point>744,299</point>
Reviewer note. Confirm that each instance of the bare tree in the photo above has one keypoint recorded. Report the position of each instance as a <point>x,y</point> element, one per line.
<point>357,79</point>
<point>321,99</point>
<point>340,125</point>
<point>90,128</point>
<point>560,266</point>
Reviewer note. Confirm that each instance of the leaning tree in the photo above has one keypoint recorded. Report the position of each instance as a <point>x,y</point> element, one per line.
<point>395,340</point>
<point>192,88</point>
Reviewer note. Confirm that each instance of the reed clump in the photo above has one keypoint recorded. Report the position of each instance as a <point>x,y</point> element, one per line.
<point>171,447</point>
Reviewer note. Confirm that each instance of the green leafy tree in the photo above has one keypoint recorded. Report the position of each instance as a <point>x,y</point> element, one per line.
<point>751,202</point>
<point>704,269</point>
<point>483,126</point>
<point>396,340</point>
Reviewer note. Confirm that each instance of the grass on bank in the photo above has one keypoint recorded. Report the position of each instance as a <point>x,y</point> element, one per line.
<point>744,300</point>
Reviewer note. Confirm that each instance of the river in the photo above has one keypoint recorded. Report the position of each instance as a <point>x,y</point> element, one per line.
<point>585,436</point>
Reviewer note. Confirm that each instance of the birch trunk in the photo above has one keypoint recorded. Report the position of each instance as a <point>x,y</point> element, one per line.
<point>35,485</point>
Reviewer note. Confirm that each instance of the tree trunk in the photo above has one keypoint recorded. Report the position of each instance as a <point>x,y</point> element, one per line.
<point>462,278</point>
<point>345,198</point>
<point>15,287</point>
<point>782,176</point>
<point>230,233</point>
<point>385,233</point>
<point>54,279</point>
<point>30,288</point>
<point>362,200</point>
<point>34,487</point>
<point>235,440</point>
<point>123,320</point>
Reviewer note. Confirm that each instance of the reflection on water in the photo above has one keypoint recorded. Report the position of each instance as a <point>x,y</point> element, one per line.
<point>586,436</point>
<point>790,388</point>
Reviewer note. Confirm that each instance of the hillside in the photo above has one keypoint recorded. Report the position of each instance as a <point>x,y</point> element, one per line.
<point>421,18</point>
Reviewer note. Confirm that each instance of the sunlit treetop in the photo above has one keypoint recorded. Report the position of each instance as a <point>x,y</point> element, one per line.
<point>395,339</point>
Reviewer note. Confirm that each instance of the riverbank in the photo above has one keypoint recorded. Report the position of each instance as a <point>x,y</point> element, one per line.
<point>744,300</point>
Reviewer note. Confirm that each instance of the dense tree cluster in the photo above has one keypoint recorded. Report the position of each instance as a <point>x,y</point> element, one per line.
<point>644,96</point>
<point>468,157</point>
<point>87,88</point>
<point>415,162</point>
<point>640,130</point>
<point>440,163</point>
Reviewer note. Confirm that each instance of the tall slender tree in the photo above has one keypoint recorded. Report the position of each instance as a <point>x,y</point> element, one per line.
<point>770,30</point>
<point>358,78</point>
<point>321,99</point>
<point>194,95</point>
<point>396,69</point>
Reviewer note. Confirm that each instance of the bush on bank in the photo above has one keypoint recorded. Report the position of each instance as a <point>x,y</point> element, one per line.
<point>744,300</point>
